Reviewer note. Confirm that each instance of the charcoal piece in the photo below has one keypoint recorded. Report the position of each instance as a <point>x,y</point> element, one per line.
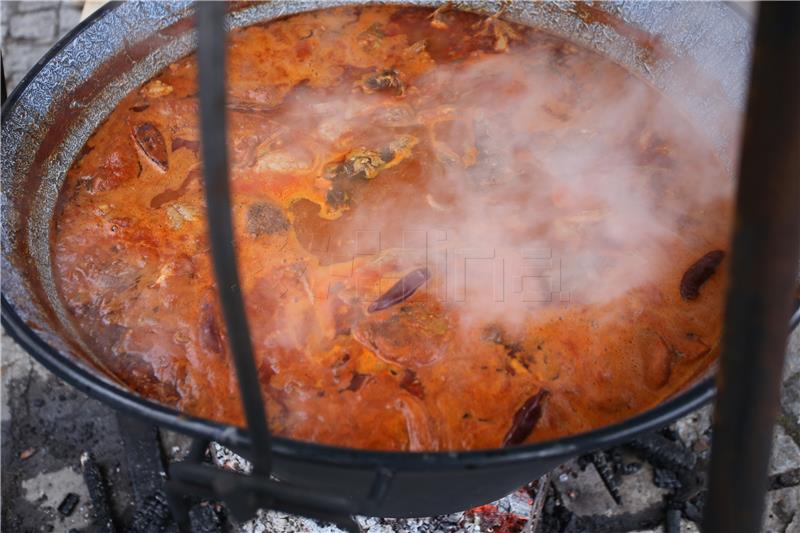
<point>790,478</point>
<point>661,452</point>
<point>648,518</point>
<point>615,458</point>
<point>666,479</point>
<point>672,522</point>
<point>670,434</point>
<point>143,457</point>
<point>68,504</point>
<point>152,516</point>
<point>538,490</point>
<point>630,468</point>
<point>693,509</point>
<point>98,493</point>
<point>205,519</point>
<point>601,464</point>
<point>620,467</point>
<point>557,518</point>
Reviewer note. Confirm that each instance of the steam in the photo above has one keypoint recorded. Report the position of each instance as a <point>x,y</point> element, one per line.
<point>555,178</point>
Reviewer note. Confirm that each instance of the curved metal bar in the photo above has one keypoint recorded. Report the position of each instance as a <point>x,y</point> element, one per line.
<point>213,128</point>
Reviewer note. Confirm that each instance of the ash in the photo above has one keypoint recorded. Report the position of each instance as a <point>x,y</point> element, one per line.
<point>516,508</point>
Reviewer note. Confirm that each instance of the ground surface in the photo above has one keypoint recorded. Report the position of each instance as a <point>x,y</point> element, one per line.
<point>46,424</point>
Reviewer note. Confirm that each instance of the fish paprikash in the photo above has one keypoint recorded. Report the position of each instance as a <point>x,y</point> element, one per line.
<point>453,232</point>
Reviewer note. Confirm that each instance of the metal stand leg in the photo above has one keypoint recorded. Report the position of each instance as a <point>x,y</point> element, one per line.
<point>763,275</point>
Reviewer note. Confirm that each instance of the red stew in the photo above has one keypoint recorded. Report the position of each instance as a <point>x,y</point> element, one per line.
<point>453,232</point>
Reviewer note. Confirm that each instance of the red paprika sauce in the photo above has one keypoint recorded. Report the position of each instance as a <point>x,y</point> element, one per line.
<point>446,224</point>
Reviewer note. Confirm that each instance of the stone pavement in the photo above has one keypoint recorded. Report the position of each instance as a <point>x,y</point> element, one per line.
<point>29,29</point>
<point>46,424</point>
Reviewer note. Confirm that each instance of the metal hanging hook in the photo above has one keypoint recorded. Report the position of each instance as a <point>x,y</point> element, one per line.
<point>211,55</point>
<point>763,276</point>
<point>243,494</point>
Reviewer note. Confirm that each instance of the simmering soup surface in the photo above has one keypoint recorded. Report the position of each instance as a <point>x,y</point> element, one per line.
<point>452,233</point>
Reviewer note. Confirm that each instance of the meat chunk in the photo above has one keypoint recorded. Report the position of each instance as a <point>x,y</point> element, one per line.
<point>412,384</point>
<point>502,32</point>
<point>152,144</point>
<point>361,165</point>
<point>385,80</point>
<point>417,334</point>
<point>156,89</point>
<point>119,166</point>
<point>657,359</point>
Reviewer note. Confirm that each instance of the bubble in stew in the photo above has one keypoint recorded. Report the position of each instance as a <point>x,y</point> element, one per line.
<point>453,232</point>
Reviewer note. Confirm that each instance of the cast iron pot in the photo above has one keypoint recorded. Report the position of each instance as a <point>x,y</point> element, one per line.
<point>699,58</point>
